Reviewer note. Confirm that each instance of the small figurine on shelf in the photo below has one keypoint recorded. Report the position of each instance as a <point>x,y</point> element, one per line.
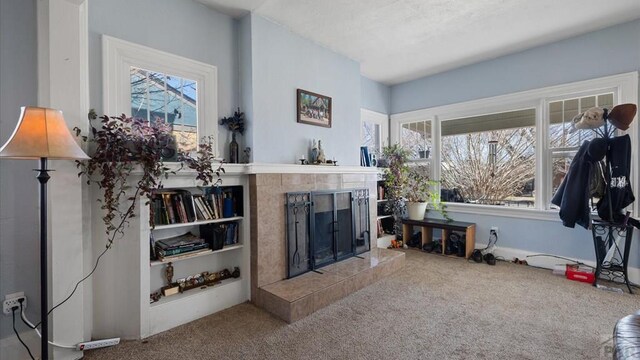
<point>169,273</point>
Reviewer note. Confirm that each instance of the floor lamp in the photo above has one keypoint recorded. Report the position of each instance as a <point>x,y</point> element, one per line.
<point>42,134</point>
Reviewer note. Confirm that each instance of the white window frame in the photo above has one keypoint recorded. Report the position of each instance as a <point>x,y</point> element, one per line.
<point>118,56</point>
<point>625,89</point>
<point>379,119</point>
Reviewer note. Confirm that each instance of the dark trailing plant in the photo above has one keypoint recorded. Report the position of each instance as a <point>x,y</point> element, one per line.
<point>120,145</point>
<point>234,123</point>
<point>202,164</point>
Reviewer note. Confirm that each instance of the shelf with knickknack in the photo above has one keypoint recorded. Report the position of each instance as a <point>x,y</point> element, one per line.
<point>384,218</point>
<point>196,248</point>
<point>206,273</point>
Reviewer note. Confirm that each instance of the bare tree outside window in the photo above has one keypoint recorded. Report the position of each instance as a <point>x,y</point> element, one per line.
<point>491,168</point>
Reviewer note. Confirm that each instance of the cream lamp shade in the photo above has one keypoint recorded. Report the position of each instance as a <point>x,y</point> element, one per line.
<point>41,133</point>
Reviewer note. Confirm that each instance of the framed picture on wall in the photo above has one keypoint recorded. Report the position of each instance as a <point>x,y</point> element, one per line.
<point>313,109</point>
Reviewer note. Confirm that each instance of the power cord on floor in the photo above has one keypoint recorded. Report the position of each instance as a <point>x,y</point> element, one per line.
<point>13,314</point>
<point>562,258</point>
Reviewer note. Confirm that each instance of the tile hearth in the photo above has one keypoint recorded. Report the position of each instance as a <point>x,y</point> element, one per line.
<point>296,298</point>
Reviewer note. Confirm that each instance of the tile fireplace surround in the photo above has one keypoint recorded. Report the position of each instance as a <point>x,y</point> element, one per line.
<point>293,299</point>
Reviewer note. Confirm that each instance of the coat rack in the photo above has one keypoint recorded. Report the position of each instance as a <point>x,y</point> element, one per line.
<point>611,262</point>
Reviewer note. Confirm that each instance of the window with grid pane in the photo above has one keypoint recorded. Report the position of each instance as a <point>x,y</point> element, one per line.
<point>564,140</point>
<point>172,99</point>
<point>416,136</point>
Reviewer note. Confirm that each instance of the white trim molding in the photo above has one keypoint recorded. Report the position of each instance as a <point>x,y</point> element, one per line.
<point>376,118</point>
<point>623,86</point>
<point>118,56</point>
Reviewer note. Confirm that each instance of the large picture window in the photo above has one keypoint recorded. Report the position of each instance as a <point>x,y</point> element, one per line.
<point>507,155</point>
<point>490,159</point>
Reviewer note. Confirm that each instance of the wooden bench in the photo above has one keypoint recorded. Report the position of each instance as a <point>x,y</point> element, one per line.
<point>427,226</point>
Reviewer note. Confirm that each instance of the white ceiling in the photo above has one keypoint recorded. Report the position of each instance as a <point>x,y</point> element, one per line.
<point>401,40</point>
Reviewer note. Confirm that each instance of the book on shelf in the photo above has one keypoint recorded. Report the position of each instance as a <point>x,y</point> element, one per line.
<point>161,253</point>
<point>184,255</point>
<point>176,242</point>
<point>173,207</point>
<point>180,206</point>
<point>179,245</point>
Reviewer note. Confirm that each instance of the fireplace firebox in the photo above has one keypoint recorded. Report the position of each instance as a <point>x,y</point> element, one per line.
<point>324,227</point>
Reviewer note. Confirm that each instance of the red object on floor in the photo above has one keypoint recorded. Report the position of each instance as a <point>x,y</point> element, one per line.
<point>581,273</point>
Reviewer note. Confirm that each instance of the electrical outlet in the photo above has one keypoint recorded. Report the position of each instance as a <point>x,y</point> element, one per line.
<point>12,300</point>
<point>494,229</point>
<point>90,345</point>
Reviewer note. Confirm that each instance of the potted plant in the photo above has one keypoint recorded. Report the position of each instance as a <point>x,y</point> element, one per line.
<point>118,146</point>
<point>421,193</point>
<point>395,175</point>
<point>235,124</point>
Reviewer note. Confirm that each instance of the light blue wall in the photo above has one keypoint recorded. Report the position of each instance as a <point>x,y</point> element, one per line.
<point>283,62</point>
<point>375,96</point>
<point>609,51</point>
<point>246,76</point>
<point>19,244</point>
<point>606,52</point>
<point>185,28</point>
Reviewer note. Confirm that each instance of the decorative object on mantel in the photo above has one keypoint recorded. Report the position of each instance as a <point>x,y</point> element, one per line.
<point>123,144</point>
<point>235,124</point>
<point>313,109</point>
<point>246,158</point>
<point>314,152</point>
<point>322,158</point>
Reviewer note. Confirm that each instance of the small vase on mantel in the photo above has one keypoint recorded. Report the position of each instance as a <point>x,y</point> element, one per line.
<point>234,149</point>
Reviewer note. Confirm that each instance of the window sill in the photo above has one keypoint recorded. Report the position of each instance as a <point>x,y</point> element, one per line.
<point>503,211</point>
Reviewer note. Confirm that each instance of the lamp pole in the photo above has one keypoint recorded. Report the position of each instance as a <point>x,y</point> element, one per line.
<point>43,178</point>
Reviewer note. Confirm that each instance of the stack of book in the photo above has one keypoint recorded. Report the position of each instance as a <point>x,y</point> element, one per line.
<point>217,204</point>
<point>173,207</point>
<point>180,246</point>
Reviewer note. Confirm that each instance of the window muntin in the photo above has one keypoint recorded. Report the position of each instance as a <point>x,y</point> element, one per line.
<point>490,159</point>
<point>416,137</point>
<point>564,141</point>
<point>173,99</point>
<point>371,136</point>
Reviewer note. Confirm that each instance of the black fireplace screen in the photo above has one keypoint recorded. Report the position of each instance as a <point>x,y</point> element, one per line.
<point>324,227</point>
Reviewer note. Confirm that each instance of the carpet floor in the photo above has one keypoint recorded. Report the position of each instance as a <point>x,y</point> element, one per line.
<point>434,308</point>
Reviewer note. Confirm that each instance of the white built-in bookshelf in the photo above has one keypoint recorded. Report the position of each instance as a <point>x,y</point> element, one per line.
<point>127,275</point>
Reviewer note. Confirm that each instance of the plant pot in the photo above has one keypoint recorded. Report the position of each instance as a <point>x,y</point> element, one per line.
<point>416,210</point>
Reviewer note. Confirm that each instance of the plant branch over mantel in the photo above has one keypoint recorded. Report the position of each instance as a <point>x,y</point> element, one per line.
<point>118,146</point>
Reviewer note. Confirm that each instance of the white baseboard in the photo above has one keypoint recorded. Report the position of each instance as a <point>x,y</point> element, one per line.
<point>10,347</point>
<point>548,262</point>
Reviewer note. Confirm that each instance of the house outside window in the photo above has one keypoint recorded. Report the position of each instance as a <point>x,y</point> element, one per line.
<point>172,99</point>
